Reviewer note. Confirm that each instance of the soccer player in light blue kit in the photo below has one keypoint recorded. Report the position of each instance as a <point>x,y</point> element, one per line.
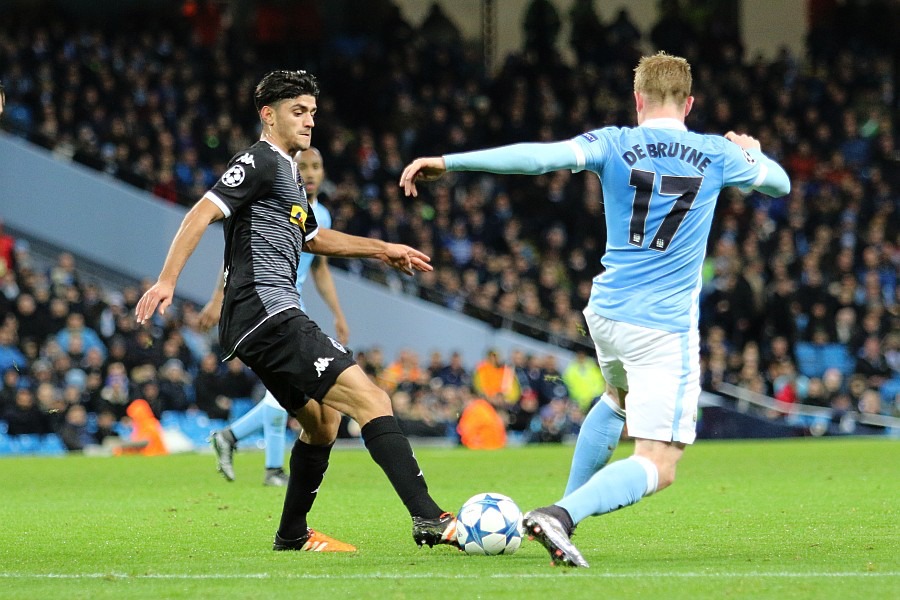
<point>660,186</point>
<point>268,415</point>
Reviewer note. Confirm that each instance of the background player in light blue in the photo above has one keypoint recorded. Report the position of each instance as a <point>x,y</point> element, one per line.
<point>268,415</point>
<point>660,185</point>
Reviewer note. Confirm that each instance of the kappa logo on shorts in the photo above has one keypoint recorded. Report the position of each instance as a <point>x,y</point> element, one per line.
<point>337,344</point>
<point>321,364</point>
<point>234,176</point>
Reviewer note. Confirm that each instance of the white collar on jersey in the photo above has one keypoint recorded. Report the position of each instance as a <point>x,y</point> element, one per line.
<point>277,149</point>
<point>664,123</point>
<point>284,154</point>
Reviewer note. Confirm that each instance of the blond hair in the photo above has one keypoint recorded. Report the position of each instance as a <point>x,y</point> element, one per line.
<point>662,78</point>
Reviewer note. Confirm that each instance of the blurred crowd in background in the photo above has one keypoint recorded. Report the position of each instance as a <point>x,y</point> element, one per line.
<point>163,104</point>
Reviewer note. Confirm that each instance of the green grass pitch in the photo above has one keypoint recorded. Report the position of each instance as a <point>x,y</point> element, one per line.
<point>767,519</point>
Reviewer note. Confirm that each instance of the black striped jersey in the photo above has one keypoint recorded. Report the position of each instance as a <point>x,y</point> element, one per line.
<point>267,220</point>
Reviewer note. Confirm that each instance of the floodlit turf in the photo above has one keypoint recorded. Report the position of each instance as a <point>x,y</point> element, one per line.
<point>772,519</point>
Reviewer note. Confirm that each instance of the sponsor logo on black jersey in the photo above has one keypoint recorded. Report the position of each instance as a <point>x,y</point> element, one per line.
<point>298,216</point>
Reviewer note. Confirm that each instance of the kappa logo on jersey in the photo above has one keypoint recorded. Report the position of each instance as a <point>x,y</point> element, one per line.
<point>750,160</point>
<point>234,176</point>
<point>321,364</point>
<point>247,159</point>
<point>589,136</point>
<point>298,216</point>
<point>337,344</point>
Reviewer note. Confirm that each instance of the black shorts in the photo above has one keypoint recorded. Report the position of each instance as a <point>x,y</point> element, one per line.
<point>293,358</point>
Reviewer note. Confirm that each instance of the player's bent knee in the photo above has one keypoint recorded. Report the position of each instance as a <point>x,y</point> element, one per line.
<point>664,456</point>
<point>381,402</point>
<point>665,471</point>
<point>320,424</point>
<point>331,422</point>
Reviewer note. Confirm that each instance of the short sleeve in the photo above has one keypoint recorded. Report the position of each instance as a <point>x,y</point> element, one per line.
<point>592,150</point>
<point>742,168</point>
<point>248,177</point>
<point>311,226</point>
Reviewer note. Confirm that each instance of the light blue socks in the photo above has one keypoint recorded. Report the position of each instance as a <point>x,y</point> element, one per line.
<point>596,442</point>
<point>251,422</point>
<point>617,485</point>
<point>275,419</point>
<point>272,420</point>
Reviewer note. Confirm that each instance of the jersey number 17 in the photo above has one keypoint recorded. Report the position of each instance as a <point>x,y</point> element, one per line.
<point>685,188</point>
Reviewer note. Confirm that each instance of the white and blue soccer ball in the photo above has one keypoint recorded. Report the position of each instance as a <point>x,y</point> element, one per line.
<point>490,524</point>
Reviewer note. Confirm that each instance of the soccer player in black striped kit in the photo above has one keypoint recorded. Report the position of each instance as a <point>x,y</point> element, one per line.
<point>268,221</point>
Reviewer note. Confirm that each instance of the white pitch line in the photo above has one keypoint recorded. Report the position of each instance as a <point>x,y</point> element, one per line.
<point>561,572</point>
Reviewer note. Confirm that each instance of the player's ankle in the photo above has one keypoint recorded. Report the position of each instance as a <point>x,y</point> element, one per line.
<point>562,515</point>
<point>229,436</point>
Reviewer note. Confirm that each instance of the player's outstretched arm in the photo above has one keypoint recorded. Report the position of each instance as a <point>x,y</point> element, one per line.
<point>186,239</point>
<point>329,242</point>
<point>519,159</point>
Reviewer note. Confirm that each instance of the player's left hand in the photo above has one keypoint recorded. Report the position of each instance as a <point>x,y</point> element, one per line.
<point>160,295</point>
<point>429,168</point>
<point>341,329</point>
<point>209,315</point>
<point>743,140</point>
<point>406,259</point>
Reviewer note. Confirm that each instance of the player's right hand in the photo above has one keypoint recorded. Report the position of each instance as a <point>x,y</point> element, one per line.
<point>743,140</point>
<point>421,169</point>
<point>406,259</point>
<point>160,295</point>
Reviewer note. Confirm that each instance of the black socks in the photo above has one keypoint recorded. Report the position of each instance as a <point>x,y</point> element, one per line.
<point>391,450</point>
<point>308,466</point>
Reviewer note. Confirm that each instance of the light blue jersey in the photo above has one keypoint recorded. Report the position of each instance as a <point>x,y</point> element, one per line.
<point>660,185</point>
<point>323,218</point>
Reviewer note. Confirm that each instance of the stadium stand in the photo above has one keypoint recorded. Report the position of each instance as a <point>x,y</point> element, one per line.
<point>793,287</point>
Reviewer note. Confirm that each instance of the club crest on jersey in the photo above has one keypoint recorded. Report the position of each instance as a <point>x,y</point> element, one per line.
<point>298,216</point>
<point>247,159</point>
<point>234,176</point>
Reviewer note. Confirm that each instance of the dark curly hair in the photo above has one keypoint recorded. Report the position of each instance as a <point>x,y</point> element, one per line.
<point>281,85</point>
